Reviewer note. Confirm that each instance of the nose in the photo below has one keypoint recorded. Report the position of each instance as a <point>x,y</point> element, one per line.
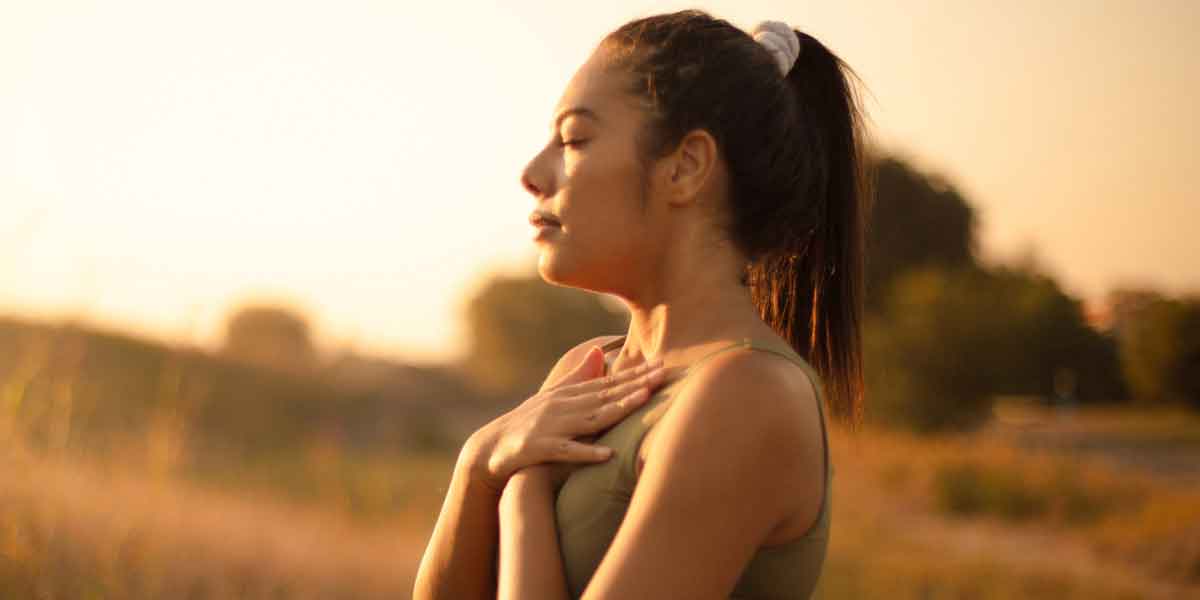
<point>537,177</point>
<point>527,183</point>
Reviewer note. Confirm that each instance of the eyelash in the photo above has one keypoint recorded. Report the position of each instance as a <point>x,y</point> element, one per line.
<point>572,143</point>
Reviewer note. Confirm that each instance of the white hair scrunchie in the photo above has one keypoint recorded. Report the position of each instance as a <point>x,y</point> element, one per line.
<point>780,39</point>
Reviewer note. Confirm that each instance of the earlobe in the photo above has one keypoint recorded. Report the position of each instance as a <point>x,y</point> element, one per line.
<point>679,193</point>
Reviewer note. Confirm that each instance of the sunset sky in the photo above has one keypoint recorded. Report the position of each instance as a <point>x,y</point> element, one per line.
<point>162,162</point>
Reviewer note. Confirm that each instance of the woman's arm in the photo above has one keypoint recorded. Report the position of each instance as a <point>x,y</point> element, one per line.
<point>460,561</point>
<point>530,564</point>
<point>728,457</point>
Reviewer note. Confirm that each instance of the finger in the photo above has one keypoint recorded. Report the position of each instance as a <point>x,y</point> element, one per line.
<point>606,415</point>
<point>610,380</point>
<point>648,381</point>
<point>588,368</point>
<point>564,450</point>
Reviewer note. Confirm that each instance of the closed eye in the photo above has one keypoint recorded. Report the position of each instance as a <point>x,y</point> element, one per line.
<point>573,143</point>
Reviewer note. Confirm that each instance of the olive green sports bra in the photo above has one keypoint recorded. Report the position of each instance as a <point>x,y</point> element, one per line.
<point>592,502</point>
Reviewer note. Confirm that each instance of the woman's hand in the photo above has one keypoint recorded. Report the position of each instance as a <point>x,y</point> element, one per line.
<point>544,428</point>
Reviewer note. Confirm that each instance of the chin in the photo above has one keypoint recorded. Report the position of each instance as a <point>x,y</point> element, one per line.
<point>556,271</point>
<point>552,269</point>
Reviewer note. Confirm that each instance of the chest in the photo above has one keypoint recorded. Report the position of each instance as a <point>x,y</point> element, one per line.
<point>593,501</point>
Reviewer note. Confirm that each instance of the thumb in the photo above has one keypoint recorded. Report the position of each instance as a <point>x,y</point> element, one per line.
<point>591,366</point>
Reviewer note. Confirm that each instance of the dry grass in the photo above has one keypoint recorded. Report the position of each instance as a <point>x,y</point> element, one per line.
<point>73,531</point>
<point>96,529</point>
<point>934,517</point>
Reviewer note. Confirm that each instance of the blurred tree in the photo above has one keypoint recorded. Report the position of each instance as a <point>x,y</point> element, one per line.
<point>924,366</point>
<point>1055,353</point>
<point>270,336</point>
<point>520,326</point>
<point>1125,304</point>
<point>1159,342</point>
<point>943,332</point>
<point>949,339</point>
<point>916,220</point>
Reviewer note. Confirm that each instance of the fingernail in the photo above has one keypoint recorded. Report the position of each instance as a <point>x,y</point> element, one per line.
<point>603,451</point>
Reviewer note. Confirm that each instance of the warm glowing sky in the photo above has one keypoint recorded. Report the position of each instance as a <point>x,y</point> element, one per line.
<point>360,160</point>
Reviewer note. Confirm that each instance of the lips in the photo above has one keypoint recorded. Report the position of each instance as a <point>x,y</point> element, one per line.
<point>543,219</point>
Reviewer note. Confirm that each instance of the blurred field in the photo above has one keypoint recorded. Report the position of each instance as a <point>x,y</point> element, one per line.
<point>968,517</point>
<point>78,531</point>
<point>981,516</point>
<point>132,471</point>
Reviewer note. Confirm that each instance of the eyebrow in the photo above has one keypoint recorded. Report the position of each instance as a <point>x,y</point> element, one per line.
<point>575,110</point>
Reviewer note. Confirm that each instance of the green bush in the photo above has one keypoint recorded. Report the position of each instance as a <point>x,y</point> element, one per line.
<point>950,340</point>
<point>1160,350</point>
<point>967,488</point>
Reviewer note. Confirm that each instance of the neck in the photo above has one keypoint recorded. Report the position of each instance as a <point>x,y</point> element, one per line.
<point>688,310</point>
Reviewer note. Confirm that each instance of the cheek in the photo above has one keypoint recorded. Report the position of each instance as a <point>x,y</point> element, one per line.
<point>607,200</point>
<point>602,176</point>
<point>602,203</point>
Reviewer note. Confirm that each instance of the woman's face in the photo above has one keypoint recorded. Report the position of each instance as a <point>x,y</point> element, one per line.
<point>587,177</point>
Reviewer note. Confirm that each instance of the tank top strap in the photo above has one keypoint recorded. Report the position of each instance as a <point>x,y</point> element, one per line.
<point>613,345</point>
<point>818,388</point>
<point>813,377</point>
<point>750,343</point>
<point>745,343</point>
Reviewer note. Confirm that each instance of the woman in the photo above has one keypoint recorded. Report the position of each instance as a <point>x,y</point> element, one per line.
<point>713,181</point>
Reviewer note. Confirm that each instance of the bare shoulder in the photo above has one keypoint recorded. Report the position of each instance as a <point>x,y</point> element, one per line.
<point>752,393</point>
<point>571,357</point>
<point>759,403</point>
<point>731,471</point>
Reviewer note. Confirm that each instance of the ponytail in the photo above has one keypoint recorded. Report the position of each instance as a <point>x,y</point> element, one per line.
<point>809,289</point>
<point>799,195</point>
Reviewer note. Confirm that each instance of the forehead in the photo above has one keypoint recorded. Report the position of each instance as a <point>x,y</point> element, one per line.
<point>600,88</point>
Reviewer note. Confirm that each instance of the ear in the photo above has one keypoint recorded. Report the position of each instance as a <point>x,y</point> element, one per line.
<point>689,168</point>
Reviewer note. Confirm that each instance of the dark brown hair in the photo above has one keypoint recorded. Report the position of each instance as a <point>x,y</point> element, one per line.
<point>798,193</point>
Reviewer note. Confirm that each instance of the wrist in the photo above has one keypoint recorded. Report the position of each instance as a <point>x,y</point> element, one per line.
<point>472,468</point>
<point>532,479</point>
<point>526,485</point>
